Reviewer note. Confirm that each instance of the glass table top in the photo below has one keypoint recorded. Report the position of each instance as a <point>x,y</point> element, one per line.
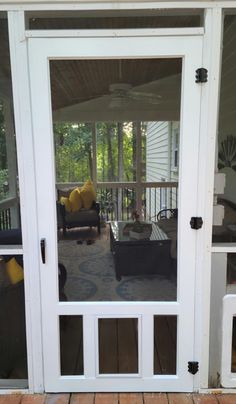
<point>125,231</point>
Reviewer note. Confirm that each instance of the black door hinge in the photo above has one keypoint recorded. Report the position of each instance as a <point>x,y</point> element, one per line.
<point>201,75</point>
<point>193,367</point>
<point>196,223</point>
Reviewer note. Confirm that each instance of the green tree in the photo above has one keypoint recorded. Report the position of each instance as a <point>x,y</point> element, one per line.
<point>73,151</point>
<point>3,156</point>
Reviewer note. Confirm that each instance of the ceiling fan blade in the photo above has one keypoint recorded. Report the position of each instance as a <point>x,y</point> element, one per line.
<point>145,97</point>
<point>144,94</point>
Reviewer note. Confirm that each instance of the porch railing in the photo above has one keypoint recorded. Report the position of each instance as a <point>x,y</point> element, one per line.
<point>118,200</point>
<point>9,213</point>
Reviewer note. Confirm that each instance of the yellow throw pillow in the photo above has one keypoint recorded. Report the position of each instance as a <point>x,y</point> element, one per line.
<point>65,201</point>
<point>88,194</point>
<point>75,200</point>
<point>14,271</point>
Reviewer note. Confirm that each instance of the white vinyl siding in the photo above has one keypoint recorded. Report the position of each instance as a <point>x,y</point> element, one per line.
<point>160,165</point>
<point>157,163</point>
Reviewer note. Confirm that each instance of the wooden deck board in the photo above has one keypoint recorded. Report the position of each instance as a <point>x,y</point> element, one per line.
<point>205,399</point>
<point>71,342</point>
<point>172,327</point>
<point>127,345</point>
<point>108,346</point>
<point>79,370</point>
<point>165,345</point>
<point>119,398</point>
<point>155,398</point>
<point>180,398</point>
<point>157,363</point>
<point>130,398</point>
<point>57,398</point>
<point>10,399</point>
<point>226,398</point>
<point>33,399</point>
<point>82,398</point>
<point>106,398</point>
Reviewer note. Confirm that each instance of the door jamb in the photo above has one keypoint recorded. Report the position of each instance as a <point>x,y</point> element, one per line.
<point>23,123</point>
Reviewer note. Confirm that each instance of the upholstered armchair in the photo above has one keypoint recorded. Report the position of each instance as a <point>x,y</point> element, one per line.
<point>81,218</point>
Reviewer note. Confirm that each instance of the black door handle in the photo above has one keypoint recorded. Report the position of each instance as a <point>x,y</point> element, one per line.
<point>42,247</point>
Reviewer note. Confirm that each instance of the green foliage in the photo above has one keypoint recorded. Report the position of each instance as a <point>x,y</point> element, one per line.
<point>3,157</point>
<point>73,149</point>
<point>3,153</point>
<point>3,184</point>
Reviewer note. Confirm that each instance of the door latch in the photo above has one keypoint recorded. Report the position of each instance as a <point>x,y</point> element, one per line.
<point>43,247</point>
<point>196,222</point>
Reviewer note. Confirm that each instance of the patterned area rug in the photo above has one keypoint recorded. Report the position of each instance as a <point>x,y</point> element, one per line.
<point>91,275</point>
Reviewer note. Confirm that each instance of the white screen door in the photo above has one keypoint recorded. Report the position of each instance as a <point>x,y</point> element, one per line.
<point>117,305</point>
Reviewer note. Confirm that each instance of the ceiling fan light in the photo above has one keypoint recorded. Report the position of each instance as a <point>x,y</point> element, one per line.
<point>118,102</point>
<point>119,87</point>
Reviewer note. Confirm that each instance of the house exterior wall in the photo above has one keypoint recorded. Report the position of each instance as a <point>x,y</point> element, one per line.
<point>157,164</point>
<point>161,166</point>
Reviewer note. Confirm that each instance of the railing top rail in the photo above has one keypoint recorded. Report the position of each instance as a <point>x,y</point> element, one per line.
<point>116,185</point>
<point>7,203</point>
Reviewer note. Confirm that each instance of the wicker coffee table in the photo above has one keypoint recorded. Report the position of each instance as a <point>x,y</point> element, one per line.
<point>140,257</point>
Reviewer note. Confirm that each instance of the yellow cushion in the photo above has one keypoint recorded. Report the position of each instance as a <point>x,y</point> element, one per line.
<point>65,201</point>
<point>14,271</point>
<point>88,194</point>
<point>75,200</point>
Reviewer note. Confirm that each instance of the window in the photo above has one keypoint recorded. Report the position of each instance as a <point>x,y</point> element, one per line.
<point>175,146</point>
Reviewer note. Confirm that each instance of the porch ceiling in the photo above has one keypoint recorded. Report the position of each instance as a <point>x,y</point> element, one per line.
<point>77,84</point>
<point>79,81</point>
<point>100,109</point>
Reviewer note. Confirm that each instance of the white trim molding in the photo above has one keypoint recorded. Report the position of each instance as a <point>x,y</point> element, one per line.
<point>38,5</point>
<point>208,134</point>
<point>23,127</point>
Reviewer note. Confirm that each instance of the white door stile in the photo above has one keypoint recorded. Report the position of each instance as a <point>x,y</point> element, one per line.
<point>89,346</point>
<point>25,157</point>
<point>147,355</point>
<point>45,181</point>
<point>212,49</point>
<point>40,51</point>
<point>187,208</point>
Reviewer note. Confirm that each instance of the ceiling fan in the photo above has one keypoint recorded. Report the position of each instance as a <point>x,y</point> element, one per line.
<point>123,93</point>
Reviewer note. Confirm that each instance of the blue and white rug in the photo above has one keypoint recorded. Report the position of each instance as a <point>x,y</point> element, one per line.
<point>91,276</point>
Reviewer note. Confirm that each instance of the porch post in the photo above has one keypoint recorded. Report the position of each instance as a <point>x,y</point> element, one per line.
<point>11,161</point>
<point>94,151</point>
<point>25,157</point>
<point>139,168</point>
<point>208,130</point>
